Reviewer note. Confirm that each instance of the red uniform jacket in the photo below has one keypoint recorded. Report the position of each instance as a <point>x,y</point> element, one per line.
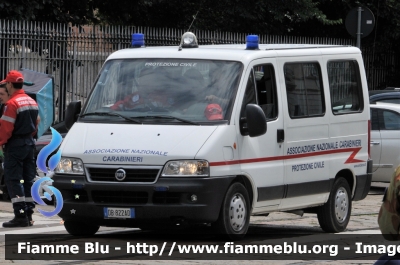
<point>19,118</point>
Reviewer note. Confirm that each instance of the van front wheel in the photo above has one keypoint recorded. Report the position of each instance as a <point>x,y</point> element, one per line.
<point>334,215</point>
<point>234,216</point>
<point>80,228</point>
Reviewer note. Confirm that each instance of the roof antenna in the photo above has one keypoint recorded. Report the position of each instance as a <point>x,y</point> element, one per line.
<point>194,17</point>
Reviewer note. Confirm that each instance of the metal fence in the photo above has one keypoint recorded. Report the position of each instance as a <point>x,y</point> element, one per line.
<point>74,55</point>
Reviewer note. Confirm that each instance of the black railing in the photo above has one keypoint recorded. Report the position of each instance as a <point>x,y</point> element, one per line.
<point>74,55</point>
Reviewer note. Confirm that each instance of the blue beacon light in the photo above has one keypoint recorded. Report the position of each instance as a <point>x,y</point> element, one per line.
<point>252,42</point>
<point>137,40</point>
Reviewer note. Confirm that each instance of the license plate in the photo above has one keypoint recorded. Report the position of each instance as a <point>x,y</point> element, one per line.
<point>119,212</point>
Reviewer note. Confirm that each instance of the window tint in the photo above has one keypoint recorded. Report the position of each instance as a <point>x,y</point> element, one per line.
<point>195,90</point>
<point>345,86</point>
<point>249,96</point>
<point>391,120</point>
<point>304,89</point>
<point>261,90</point>
<point>266,90</point>
<point>374,119</point>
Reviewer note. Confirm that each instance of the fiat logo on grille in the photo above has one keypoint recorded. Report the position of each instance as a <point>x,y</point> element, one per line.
<point>120,174</point>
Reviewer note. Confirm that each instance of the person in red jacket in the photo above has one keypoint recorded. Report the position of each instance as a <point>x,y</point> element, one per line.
<point>3,97</point>
<point>17,127</point>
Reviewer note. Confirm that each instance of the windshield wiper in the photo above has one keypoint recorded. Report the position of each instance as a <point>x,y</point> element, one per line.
<point>110,114</point>
<point>168,117</point>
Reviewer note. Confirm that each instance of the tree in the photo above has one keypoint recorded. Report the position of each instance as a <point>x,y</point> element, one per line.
<point>293,17</point>
<point>257,16</point>
<point>67,11</point>
<point>277,17</point>
<point>76,12</point>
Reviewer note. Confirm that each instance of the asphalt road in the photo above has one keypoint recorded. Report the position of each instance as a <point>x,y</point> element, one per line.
<point>273,229</point>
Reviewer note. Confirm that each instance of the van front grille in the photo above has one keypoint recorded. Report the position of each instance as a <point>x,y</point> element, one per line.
<point>132,174</point>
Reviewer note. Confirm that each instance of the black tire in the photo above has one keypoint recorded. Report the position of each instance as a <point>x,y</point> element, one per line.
<point>334,215</point>
<point>234,216</point>
<point>80,228</point>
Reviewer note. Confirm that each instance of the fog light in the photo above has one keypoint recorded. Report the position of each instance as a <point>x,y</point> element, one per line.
<point>193,198</point>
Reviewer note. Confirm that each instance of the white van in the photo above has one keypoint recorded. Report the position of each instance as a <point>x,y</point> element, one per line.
<point>214,134</point>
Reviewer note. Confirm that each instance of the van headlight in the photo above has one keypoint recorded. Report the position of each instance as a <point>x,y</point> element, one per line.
<point>186,168</point>
<point>69,165</point>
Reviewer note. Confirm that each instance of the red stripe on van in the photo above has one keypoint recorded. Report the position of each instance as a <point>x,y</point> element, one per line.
<point>351,159</point>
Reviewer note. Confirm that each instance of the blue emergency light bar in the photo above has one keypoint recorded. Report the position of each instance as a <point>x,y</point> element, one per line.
<point>252,42</point>
<point>137,40</point>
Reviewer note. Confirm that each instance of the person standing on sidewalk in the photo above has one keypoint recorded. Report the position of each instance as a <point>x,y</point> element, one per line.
<point>4,97</point>
<point>17,127</point>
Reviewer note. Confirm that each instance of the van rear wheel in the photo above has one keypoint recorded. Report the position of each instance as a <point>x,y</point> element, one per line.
<point>334,215</point>
<point>234,217</point>
<point>80,228</point>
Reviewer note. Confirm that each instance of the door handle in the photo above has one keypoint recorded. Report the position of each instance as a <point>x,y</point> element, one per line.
<point>375,143</point>
<point>280,135</point>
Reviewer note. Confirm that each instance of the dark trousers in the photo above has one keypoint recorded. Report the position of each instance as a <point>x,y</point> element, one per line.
<point>388,260</point>
<point>19,174</point>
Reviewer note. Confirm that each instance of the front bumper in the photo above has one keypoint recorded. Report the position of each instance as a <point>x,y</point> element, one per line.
<point>166,201</point>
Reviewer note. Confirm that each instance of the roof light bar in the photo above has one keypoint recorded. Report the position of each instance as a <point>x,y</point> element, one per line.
<point>252,42</point>
<point>189,40</point>
<point>137,40</point>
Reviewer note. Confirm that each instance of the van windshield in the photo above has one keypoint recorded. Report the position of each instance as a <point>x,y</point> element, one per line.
<point>200,91</point>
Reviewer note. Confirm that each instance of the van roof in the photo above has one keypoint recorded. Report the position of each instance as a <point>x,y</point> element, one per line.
<point>233,52</point>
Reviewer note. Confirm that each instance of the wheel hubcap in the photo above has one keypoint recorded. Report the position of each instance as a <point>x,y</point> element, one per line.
<point>341,205</point>
<point>237,212</point>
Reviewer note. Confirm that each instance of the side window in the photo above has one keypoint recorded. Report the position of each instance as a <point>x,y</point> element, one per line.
<point>374,119</point>
<point>108,89</point>
<point>266,90</point>
<point>249,96</point>
<point>391,120</point>
<point>304,89</point>
<point>345,87</point>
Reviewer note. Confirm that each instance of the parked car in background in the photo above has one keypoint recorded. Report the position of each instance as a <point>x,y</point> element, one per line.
<point>387,95</point>
<point>392,88</point>
<point>385,140</point>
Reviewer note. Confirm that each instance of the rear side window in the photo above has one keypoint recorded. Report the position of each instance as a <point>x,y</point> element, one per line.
<point>304,89</point>
<point>374,119</point>
<point>390,120</point>
<point>382,119</point>
<point>345,86</point>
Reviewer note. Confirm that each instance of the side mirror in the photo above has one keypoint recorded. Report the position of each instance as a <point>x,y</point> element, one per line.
<point>254,124</point>
<point>71,115</point>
